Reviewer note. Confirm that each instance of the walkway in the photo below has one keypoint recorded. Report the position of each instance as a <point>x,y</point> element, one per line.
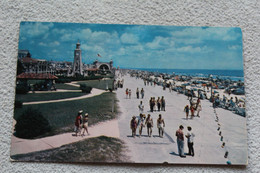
<point>21,146</point>
<point>207,143</point>
<point>93,93</point>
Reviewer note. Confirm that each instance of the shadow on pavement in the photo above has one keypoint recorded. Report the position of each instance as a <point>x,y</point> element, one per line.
<point>175,154</point>
<point>169,137</point>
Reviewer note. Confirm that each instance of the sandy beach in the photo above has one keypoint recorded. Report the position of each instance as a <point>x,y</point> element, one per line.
<point>207,143</point>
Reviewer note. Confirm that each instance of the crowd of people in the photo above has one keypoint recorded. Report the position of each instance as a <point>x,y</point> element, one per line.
<point>142,121</point>
<point>138,123</point>
<point>194,106</point>
<point>158,103</point>
<point>139,94</point>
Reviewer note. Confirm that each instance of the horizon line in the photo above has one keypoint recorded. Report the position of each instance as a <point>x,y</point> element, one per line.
<point>176,68</point>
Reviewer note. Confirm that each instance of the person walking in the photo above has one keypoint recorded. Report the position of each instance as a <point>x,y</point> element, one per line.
<point>158,103</point>
<point>192,110</point>
<point>141,107</point>
<point>163,104</point>
<point>199,108</point>
<point>190,137</point>
<point>126,92</point>
<point>85,124</point>
<point>129,93</point>
<point>142,93</point>
<point>133,126</point>
<point>78,122</point>
<point>149,124</point>
<point>160,125</point>
<point>197,103</point>
<point>180,141</point>
<point>137,93</point>
<point>186,109</point>
<point>151,104</point>
<point>141,124</point>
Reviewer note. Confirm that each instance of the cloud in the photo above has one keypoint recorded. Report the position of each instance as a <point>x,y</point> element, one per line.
<point>160,43</point>
<point>35,29</point>
<point>42,44</point>
<point>121,51</point>
<point>187,40</point>
<point>234,47</point>
<point>89,37</point>
<point>55,43</point>
<point>46,36</point>
<point>191,49</point>
<point>58,31</point>
<point>52,44</point>
<point>208,33</point>
<point>128,38</point>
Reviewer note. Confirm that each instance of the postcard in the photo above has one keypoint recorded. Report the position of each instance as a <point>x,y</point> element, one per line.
<point>112,93</point>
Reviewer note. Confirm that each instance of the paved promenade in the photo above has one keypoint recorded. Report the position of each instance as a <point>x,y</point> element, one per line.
<point>21,146</point>
<point>207,144</point>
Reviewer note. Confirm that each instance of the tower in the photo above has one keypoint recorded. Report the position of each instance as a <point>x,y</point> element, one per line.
<point>77,64</point>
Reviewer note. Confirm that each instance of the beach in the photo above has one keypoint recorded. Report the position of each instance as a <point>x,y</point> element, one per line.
<point>220,134</point>
<point>207,141</point>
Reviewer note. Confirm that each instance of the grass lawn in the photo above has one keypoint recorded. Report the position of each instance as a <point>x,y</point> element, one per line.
<point>31,97</point>
<point>100,149</point>
<point>66,87</point>
<point>100,84</point>
<point>61,115</point>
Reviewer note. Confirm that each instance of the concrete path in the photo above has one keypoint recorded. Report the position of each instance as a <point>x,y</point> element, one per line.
<point>58,90</point>
<point>21,146</point>
<point>207,142</point>
<point>73,84</point>
<point>93,93</point>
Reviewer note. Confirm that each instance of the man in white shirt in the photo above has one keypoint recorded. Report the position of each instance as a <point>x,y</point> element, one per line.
<point>190,137</point>
<point>141,107</point>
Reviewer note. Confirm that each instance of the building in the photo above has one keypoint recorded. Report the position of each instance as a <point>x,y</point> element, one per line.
<point>97,68</point>
<point>77,63</point>
<point>31,65</point>
<point>22,53</point>
<point>64,68</point>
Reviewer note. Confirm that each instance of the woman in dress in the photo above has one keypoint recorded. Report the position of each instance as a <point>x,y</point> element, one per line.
<point>85,124</point>
<point>141,123</point>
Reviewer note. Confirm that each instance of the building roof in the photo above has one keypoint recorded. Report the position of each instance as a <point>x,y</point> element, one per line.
<point>36,76</point>
<point>28,60</point>
<point>92,69</point>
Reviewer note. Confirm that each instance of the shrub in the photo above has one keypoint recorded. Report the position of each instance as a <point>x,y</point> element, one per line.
<point>31,124</point>
<point>63,80</point>
<point>21,89</point>
<point>85,88</point>
<point>18,104</point>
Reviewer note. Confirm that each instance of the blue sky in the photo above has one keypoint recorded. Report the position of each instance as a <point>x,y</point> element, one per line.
<point>136,46</point>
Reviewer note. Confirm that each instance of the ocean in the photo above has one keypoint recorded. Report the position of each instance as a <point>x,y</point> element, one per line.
<point>223,74</point>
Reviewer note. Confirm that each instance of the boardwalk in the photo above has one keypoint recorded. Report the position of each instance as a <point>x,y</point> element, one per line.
<point>207,142</point>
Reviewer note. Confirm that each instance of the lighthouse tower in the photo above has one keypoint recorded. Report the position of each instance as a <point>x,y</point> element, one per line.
<point>77,64</point>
